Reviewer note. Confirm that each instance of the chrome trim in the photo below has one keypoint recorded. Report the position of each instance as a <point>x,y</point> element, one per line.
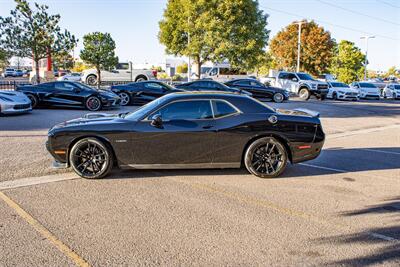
<point>183,166</point>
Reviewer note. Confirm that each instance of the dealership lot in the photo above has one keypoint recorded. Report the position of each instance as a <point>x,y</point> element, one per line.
<point>342,208</point>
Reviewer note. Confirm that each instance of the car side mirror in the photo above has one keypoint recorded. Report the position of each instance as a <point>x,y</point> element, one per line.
<point>157,121</point>
<point>294,80</point>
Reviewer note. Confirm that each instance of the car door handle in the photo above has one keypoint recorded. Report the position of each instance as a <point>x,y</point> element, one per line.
<point>207,127</point>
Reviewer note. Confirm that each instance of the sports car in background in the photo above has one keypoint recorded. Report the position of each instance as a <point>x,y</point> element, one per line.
<point>189,130</point>
<point>12,102</point>
<point>139,93</point>
<point>69,94</point>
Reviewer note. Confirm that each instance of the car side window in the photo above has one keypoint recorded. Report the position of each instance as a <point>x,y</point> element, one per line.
<point>283,76</point>
<point>64,86</point>
<point>155,86</point>
<point>245,83</point>
<point>185,110</point>
<point>222,109</point>
<point>291,76</point>
<point>256,83</point>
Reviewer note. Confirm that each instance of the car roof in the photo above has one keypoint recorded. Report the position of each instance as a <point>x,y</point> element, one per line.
<point>242,79</point>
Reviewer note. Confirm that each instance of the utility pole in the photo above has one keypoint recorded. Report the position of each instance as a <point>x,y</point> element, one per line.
<point>367,37</point>
<point>189,64</point>
<point>299,43</point>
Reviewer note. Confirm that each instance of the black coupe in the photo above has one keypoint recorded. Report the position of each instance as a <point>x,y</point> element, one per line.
<point>139,93</point>
<point>189,130</point>
<point>260,90</point>
<point>210,85</point>
<point>69,94</point>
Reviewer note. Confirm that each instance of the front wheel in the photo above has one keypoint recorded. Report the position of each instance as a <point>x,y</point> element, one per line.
<point>266,158</point>
<point>91,159</point>
<point>278,98</point>
<point>34,100</point>
<point>304,93</point>
<point>93,103</point>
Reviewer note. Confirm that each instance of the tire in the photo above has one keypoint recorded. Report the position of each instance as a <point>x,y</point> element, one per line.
<point>334,96</point>
<point>304,93</point>
<point>93,103</point>
<point>141,78</point>
<point>91,80</point>
<point>125,98</point>
<point>278,98</point>
<point>394,96</point>
<point>266,158</point>
<point>322,97</point>
<point>34,100</point>
<point>91,159</point>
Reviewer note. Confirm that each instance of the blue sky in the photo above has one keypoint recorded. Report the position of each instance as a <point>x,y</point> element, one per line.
<point>134,23</point>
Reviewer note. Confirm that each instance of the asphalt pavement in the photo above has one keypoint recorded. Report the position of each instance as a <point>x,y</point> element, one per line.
<point>340,209</point>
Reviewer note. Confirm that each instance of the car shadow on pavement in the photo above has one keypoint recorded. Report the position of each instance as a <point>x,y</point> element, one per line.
<point>331,161</point>
<point>388,237</point>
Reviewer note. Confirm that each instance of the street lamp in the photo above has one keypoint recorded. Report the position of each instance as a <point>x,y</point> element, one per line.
<point>366,53</point>
<point>299,43</point>
<point>188,44</point>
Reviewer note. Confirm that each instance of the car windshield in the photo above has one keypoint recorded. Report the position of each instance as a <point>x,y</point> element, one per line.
<point>83,86</point>
<point>339,85</point>
<point>367,85</point>
<point>305,76</point>
<point>143,110</point>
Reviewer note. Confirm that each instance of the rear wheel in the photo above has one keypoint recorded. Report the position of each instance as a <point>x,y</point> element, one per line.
<point>141,78</point>
<point>304,94</point>
<point>125,98</point>
<point>91,159</point>
<point>278,98</point>
<point>266,158</point>
<point>93,103</point>
<point>34,100</point>
<point>91,80</point>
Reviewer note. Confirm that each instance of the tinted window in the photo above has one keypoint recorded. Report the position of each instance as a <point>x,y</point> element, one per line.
<point>256,83</point>
<point>305,76</point>
<point>221,108</point>
<point>185,110</point>
<point>242,83</point>
<point>283,75</point>
<point>397,86</point>
<point>367,85</point>
<point>339,85</point>
<point>153,86</point>
<point>122,66</point>
<point>64,86</point>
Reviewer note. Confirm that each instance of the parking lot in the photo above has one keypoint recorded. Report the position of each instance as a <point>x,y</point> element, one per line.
<point>340,209</point>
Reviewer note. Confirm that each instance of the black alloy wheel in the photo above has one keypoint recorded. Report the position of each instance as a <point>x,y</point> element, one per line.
<point>278,98</point>
<point>125,98</point>
<point>90,158</point>
<point>33,99</point>
<point>266,158</point>
<point>93,103</point>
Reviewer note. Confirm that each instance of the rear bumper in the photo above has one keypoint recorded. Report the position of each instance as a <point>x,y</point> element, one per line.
<point>306,152</point>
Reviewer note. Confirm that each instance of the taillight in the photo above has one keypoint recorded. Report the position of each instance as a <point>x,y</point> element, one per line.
<point>154,73</point>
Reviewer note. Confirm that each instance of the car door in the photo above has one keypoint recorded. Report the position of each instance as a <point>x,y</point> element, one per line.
<point>185,137</point>
<point>68,94</point>
<point>292,83</point>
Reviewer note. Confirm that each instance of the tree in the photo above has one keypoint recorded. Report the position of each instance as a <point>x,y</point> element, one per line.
<point>218,30</point>
<point>348,62</point>
<point>34,33</point>
<point>80,66</point>
<point>182,68</point>
<point>4,59</point>
<point>316,48</point>
<point>99,51</point>
<point>63,60</point>
<point>392,72</point>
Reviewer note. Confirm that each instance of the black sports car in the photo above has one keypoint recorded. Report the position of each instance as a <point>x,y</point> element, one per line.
<point>189,130</point>
<point>259,90</point>
<point>139,93</point>
<point>210,85</point>
<point>71,94</point>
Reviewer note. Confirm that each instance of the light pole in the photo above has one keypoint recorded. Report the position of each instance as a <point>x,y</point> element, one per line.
<point>299,43</point>
<point>366,53</point>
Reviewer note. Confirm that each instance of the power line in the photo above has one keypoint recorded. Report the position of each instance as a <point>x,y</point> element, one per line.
<point>329,23</point>
<point>388,4</point>
<point>358,13</point>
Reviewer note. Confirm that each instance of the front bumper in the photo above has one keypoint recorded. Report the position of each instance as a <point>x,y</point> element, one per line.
<point>13,108</point>
<point>348,96</point>
<point>370,96</point>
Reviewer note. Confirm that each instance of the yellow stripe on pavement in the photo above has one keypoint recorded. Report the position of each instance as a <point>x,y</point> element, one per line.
<point>78,260</point>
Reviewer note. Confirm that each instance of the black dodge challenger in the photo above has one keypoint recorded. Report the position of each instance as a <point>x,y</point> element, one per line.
<point>189,130</point>
<point>69,94</point>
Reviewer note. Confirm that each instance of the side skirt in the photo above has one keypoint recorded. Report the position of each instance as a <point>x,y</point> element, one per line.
<point>182,166</point>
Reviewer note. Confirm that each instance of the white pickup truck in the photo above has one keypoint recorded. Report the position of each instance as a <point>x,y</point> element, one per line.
<point>300,83</point>
<point>123,72</point>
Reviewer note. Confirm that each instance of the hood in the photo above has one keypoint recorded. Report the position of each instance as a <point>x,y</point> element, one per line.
<point>107,93</point>
<point>13,96</point>
<point>299,112</point>
<point>88,119</point>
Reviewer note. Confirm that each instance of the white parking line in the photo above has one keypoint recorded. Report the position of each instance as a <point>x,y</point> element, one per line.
<point>323,168</point>
<point>37,180</point>
<point>361,131</point>
<point>380,151</point>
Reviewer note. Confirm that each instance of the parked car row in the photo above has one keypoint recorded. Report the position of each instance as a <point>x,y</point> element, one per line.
<point>14,73</point>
